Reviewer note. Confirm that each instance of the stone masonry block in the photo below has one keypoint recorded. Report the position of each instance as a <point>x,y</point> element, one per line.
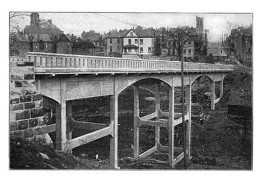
<point>13,126</point>
<point>41,121</point>
<point>14,101</point>
<point>26,98</point>
<point>16,107</point>
<point>30,105</point>
<point>12,116</point>
<point>17,77</point>
<point>29,76</point>
<point>18,84</point>
<point>33,122</point>
<point>39,104</point>
<point>28,133</point>
<point>37,97</point>
<point>23,124</point>
<point>23,115</point>
<point>37,112</point>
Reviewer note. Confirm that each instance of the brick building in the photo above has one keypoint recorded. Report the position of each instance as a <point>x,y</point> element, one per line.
<point>240,44</point>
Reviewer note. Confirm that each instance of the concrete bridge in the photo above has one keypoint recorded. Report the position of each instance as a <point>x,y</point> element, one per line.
<point>64,78</point>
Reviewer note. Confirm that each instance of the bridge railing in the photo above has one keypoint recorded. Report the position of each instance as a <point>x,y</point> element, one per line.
<point>67,61</point>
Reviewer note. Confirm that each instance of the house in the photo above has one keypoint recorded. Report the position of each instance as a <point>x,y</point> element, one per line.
<point>40,36</point>
<point>138,42</point>
<point>114,43</point>
<point>65,44</point>
<point>81,47</point>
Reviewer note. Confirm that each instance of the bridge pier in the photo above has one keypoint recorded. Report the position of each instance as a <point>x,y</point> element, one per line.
<point>114,135</point>
<point>213,95</point>
<point>158,112</point>
<point>171,127</point>
<point>61,119</point>
<point>136,122</point>
<point>69,126</point>
<point>189,122</point>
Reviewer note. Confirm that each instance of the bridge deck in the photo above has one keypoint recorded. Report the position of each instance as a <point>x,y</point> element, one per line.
<point>50,63</point>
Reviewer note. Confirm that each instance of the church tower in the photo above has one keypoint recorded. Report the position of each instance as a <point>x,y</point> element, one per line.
<point>34,19</point>
<point>199,25</point>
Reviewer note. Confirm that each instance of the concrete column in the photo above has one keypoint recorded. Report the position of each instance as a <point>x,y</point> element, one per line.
<point>136,125</point>
<point>158,112</point>
<point>61,119</point>
<point>188,125</point>
<point>114,138</point>
<point>69,128</point>
<point>221,87</point>
<point>170,126</point>
<point>213,95</point>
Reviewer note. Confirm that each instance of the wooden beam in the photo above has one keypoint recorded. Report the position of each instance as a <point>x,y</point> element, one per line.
<point>84,139</point>
<point>148,152</point>
<point>179,120</point>
<point>149,116</point>
<point>44,130</point>
<point>178,158</point>
<point>87,125</point>
<point>157,123</point>
<point>166,148</point>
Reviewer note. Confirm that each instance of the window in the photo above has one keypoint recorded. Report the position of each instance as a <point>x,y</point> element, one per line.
<point>141,50</point>
<point>149,49</point>
<point>136,40</point>
<point>129,50</point>
<point>118,48</point>
<point>131,34</point>
<point>129,41</point>
<point>141,41</point>
<point>118,41</point>
<point>136,50</point>
<point>110,40</point>
<point>110,48</point>
<point>36,46</point>
<point>46,46</point>
<point>189,51</point>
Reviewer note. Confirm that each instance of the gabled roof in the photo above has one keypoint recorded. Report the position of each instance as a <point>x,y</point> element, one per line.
<point>144,32</point>
<point>64,38</point>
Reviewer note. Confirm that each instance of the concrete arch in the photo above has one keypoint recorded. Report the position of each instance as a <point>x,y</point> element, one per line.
<point>122,85</point>
<point>195,77</point>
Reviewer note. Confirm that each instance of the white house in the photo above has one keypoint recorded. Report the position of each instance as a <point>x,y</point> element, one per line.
<point>138,42</point>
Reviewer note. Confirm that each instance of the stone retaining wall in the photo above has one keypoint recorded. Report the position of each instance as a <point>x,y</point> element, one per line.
<point>26,105</point>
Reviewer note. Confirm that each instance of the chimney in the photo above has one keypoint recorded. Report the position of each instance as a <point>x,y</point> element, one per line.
<point>72,37</point>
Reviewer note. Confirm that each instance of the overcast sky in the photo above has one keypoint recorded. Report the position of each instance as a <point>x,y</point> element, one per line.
<point>75,23</point>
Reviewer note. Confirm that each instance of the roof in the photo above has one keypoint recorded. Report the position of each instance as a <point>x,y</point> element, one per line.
<point>83,44</point>
<point>64,38</point>
<point>44,27</point>
<point>44,38</point>
<point>130,46</point>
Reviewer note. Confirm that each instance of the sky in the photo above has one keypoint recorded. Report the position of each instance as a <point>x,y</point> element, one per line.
<point>75,23</point>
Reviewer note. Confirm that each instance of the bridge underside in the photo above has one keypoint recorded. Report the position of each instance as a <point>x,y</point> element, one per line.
<point>66,88</point>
